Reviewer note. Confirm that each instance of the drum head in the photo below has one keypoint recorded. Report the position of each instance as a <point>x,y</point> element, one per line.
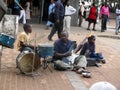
<point>26,63</point>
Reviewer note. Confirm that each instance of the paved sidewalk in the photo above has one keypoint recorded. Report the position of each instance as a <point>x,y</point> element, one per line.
<point>63,80</point>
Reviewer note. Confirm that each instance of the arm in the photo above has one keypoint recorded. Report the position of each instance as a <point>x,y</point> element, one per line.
<point>73,10</point>
<point>117,12</point>
<point>57,7</point>
<point>18,4</point>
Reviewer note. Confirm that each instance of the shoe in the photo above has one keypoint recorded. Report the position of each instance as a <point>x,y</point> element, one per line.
<point>116,33</point>
<point>88,29</point>
<point>103,61</point>
<point>49,39</point>
<point>97,64</point>
<point>102,31</point>
<point>94,29</point>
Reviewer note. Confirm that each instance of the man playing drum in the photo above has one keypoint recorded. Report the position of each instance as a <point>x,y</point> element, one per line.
<point>27,60</point>
<point>24,39</point>
<point>62,52</point>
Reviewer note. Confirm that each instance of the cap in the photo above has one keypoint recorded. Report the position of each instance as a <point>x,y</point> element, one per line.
<point>102,86</point>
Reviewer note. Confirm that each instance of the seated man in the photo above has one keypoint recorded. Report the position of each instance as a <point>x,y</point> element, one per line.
<point>88,49</point>
<point>62,50</point>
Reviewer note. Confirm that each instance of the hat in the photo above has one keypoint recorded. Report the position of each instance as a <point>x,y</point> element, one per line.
<point>102,86</point>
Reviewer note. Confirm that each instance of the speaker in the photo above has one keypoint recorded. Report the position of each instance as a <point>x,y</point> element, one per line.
<point>3,9</point>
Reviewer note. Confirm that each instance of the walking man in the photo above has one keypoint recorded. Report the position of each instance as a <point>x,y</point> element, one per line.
<point>59,15</point>
<point>69,10</point>
<point>117,19</point>
<point>81,13</point>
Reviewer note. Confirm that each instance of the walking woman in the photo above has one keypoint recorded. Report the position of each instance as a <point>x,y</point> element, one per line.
<point>104,14</point>
<point>92,17</point>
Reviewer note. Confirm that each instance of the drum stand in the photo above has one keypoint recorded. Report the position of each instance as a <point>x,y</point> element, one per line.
<point>46,64</point>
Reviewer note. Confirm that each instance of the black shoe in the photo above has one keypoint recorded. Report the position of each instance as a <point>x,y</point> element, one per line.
<point>49,39</point>
<point>102,31</point>
<point>103,61</point>
<point>88,29</point>
<point>94,29</point>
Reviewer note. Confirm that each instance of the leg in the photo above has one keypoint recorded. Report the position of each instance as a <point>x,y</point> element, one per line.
<point>94,26</point>
<point>80,21</point>
<point>81,62</point>
<point>102,24</point>
<point>60,65</point>
<point>64,23</point>
<point>53,31</point>
<point>59,28</point>
<point>117,26</point>
<point>88,26</point>
<point>68,23</point>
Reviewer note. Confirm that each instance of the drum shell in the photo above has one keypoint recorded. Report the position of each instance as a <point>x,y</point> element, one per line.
<point>45,51</point>
<point>6,40</point>
<point>25,62</point>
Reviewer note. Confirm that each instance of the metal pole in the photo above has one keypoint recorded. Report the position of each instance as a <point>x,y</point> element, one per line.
<point>42,11</point>
<point>1,48</point>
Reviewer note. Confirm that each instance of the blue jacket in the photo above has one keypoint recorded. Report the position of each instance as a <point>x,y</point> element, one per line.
<point>59,10</point>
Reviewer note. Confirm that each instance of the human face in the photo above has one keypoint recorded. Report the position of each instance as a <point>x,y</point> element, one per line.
<point>29,29</point>
<point>64,37</point>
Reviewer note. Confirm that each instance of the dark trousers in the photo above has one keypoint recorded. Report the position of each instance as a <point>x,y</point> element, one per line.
<point>104,23</point>
<point>58,27</point>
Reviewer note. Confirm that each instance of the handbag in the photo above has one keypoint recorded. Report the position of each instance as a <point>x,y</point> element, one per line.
<point>52,17</point>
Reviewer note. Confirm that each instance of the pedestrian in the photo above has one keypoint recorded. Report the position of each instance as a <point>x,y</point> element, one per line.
<point>104,14</point>
<point>81,13</point>
<point>27,11</point>
<point>117,19</point>
<point>16,8</point>
<point>50,10</point>
<point>59,16</point>
<point>69,10</point>
<point>92,17</point>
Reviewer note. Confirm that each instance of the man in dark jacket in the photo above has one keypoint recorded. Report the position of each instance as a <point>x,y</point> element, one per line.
<point>59,15</point>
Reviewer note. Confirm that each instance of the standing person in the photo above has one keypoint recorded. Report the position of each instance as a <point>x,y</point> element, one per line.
<point>69,10</point>
<point>117,19</point>
<point>50,10</point>
<point>27,11</point>
<point>104,14</point>
<point>16,8</point>
<point>59,15</point>
<point>81,13</point>
<point>92,17</point>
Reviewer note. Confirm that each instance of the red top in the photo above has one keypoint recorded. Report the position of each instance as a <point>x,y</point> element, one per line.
<point>93,13</point>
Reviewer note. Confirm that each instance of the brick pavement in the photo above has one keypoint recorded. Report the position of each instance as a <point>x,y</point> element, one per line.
<point>62,80</point>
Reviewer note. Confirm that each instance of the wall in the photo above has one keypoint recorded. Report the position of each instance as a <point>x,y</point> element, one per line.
<point>75,4</point>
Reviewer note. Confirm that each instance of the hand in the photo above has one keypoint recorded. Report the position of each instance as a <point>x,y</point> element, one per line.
<point>58,21</point>
<point>68,54</point>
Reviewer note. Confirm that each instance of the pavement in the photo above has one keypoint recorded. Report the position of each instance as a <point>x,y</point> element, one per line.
<point>106,42</point>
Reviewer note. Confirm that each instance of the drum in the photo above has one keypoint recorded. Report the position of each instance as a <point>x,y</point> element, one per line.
<point>45,50</point>
<point>6,40</point>
<point>24,62</point>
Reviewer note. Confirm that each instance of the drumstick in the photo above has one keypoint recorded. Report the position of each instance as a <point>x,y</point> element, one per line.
<point>34,53</point>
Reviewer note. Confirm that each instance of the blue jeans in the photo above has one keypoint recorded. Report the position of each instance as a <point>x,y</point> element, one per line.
<point>117,25</point>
